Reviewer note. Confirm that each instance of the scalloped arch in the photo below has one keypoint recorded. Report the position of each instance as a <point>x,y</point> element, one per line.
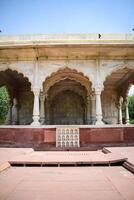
<point>66,73</point>
<point>81,91</point>
<point>115,69</point>
<point>16,71</point>
<point>5,68</point>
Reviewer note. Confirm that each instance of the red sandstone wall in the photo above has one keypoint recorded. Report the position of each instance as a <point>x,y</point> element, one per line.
<point>36,136</point>
<point>49,135</point>
<point>101,135</point>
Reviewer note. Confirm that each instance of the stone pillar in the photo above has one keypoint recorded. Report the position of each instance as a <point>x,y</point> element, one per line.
<point>48,120</point>
<point>120,111</point>
<point>127,111</point>
<point>9,115</point>
<point>15,112</point>
<point>98,107</point>
<point>88,110</point>
<point>42,108</point>
<point>36,114</point>
<point>93,111</point>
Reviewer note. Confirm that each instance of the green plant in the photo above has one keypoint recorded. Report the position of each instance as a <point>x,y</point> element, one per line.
<point>131,107</point>
<point>4,101</point>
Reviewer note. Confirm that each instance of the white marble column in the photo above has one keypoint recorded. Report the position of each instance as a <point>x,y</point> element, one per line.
<point>88,110</point>
<point>36,114</point>
<point>98,107</point>
<point>42,108</point>
<point>48,120</point>
<point>127,111</point>
<point>9,115</point>
<point>120,111</point>
<point>15,112</point>
<point>93,109</point>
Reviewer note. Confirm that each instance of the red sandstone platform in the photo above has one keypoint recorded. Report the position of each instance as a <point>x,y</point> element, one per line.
<point>68,183</point>
<point>27,157</point>
<point>127,152</point>
<point>74,158</point>
<point>58,183</point>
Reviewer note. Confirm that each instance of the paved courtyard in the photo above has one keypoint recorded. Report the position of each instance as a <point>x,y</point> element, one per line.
<point>16,155</point>
<point>127,152</point>
<point>73,183</point>
<point>58,183</point>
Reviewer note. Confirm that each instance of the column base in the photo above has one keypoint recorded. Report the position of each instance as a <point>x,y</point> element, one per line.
<point>42,120</point>
<point>15,123</point>
<point>35,124</point>
<point>93,120</point>
<point>99,122</point>
<point>35,121</point>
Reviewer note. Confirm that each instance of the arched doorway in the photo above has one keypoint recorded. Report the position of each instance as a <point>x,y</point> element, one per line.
<point>66,99</point>
<point>67,103</point>
<point>115,94</point>
<point>67,108</point>
<point>20,97</point>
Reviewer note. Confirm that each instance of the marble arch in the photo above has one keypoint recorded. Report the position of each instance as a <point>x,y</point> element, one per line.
<point>116,86</point>
<point>19,68</point>
<point>17,72</point>
<point>74,85</point>
<point>66,73</point>
<point>19,88</point>
<point>115,66</point>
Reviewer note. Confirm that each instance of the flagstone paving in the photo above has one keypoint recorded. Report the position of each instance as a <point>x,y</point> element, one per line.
<point>58,183</point>
<point>73,183</point>
<point>127,152</point>
<point>29,156</point>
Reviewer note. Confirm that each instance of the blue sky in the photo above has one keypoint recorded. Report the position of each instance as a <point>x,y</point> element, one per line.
<point>66,16</point>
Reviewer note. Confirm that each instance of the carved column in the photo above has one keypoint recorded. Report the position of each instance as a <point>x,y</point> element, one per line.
<point>36,115</point>
<point>93,107</point>
<point>9,115</point>
<point>88,110</point>
<point>15,112</point>
<point>42,108</point>
<point>127,111</point>
<point>98,89</point>
<point>98,107</point>
<point>48,107</point>
<point>120,111</point>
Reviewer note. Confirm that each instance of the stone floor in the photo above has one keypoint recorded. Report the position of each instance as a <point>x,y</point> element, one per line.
<point>6,154</point>
<point>58,183</point>
<point>30,156</point>
<point>73,183</point>
<point>127,152</point>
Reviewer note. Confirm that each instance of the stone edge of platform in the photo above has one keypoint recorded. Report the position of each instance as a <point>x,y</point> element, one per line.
<point>69,126</point>
<point>4,166</point>
<point>129,166</point>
